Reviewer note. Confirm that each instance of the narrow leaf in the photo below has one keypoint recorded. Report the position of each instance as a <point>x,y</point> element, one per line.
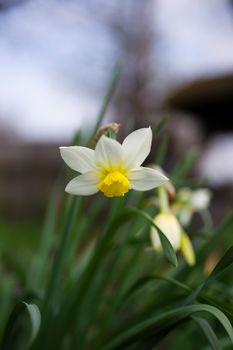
<point>164,321</point>
<point>208,331</point>
<point>167,247</point>
<point>34,319</point>
<point>225,262</point>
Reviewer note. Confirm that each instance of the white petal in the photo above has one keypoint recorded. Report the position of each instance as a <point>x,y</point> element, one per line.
<point>136,147</point>
<point>143,179</point>
<point>108,152</point>
<point>78,158</point>
<point>84,185</point>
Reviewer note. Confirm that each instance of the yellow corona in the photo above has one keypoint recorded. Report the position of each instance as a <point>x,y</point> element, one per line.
<point>114,184</point>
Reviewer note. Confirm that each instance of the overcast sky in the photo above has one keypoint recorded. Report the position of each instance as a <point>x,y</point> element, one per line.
<point>56,58</point>
<point>195,37</point>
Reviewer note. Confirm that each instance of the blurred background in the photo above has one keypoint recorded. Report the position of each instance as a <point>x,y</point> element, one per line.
<point>56,59</point>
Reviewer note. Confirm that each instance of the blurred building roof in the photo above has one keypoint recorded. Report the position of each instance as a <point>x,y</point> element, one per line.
<point>210,99</point>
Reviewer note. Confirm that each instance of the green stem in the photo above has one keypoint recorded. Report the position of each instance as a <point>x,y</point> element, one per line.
<point>163,199</point>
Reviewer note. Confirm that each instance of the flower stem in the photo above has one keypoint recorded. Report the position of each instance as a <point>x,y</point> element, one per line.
<point>163,199</point>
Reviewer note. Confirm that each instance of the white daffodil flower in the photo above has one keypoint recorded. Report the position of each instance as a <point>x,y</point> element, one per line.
<point>112,168</point>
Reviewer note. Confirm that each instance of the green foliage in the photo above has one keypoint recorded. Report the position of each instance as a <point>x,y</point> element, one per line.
<point>95,283</point>
<point>17,326</point>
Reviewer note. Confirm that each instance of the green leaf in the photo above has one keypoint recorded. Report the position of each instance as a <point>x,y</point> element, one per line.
<point>184,167</point>
<point>33,319</point>
<point>74,300</point>
<point>39,265</point>
<point>59,261</point>
<point>225,263</point>
<point>162,150</point>
<point>159,126</point>
<point>163,321</point>
<point>167,247</point>
<point>221,233</point>
<point>143,282</point>
<point>208,331</point>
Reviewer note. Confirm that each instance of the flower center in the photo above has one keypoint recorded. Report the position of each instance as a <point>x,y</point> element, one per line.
<point>114,184</point>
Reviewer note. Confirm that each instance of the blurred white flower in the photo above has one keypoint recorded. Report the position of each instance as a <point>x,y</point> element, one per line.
<point>200,199</point>
<point>112,168</point>
<point>189,202</point>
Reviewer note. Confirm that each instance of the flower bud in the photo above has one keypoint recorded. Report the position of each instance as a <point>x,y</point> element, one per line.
<point>104,131</point>
<point>170,226</point>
